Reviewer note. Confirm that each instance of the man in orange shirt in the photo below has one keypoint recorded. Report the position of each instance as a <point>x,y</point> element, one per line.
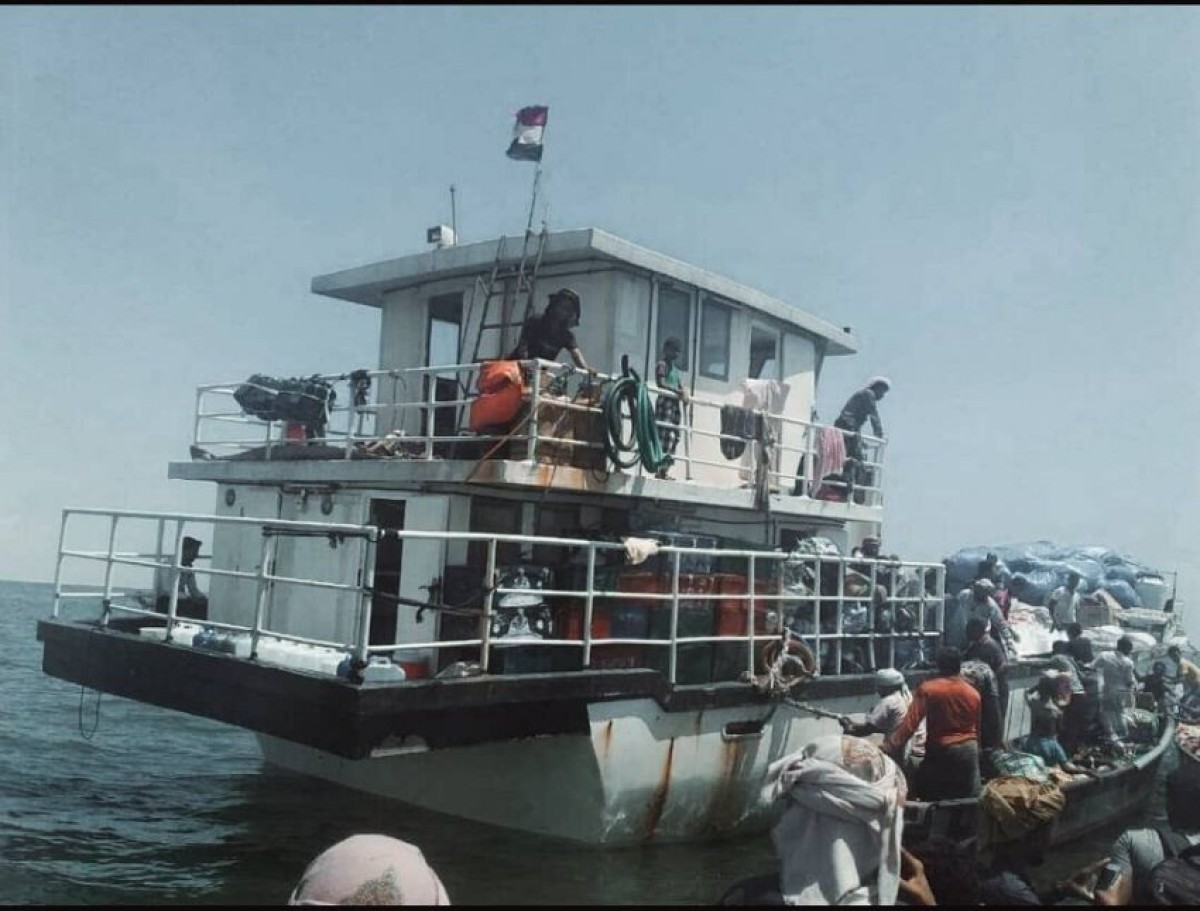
<point>950,707</point>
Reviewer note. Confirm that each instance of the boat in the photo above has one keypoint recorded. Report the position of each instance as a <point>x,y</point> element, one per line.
<point>519,624</point>
<point>1091,802</point>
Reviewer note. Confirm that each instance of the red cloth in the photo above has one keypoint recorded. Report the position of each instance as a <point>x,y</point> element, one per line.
<point>950,707</point>
<point>831,456</point>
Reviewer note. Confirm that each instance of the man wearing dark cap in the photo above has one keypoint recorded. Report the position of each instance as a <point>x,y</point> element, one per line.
<point>545,336</point>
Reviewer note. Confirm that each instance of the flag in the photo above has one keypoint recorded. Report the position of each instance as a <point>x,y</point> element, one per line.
<point>526,143</point>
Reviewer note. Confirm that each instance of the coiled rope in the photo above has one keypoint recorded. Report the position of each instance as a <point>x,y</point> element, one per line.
<point>644,443</point>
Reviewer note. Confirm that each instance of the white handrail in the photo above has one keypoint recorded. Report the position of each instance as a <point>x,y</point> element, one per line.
<point>784,596</point>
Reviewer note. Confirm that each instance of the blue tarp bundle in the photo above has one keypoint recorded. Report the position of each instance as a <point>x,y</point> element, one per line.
<point>1035,569</point>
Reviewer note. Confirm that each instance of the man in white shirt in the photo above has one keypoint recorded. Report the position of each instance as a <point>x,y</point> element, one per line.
<point>1064,602</point>
<point>1118,678</point>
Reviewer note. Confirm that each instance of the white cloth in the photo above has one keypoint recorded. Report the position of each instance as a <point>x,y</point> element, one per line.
<point>838,839</point>
<point>639,550</point>
<point>767,396</point>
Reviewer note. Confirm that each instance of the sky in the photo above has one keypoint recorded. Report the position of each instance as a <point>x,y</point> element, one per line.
<point>1001,202</point>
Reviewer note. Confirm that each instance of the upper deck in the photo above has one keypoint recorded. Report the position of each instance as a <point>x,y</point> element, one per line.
<point>749,363</point>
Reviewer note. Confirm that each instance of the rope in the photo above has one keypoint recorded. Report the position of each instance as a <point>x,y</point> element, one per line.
<point>87,660</point>
<point>789,663</point>
<point>644,444</point>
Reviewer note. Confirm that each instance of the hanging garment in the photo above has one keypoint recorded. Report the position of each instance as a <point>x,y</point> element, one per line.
<point>740,423</point>
<point>831,458</point>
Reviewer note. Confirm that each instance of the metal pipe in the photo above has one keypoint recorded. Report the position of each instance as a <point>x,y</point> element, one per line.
<point>673,660</point>
<point>485,632</point>
<point>58,564</point>
<point>588,601</point>
<point>176,564</point>
<point>266,559</point>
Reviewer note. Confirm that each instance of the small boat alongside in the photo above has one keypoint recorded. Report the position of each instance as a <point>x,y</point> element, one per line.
<point>1115,791</point>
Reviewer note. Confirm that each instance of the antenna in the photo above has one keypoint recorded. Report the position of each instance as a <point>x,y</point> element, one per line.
<point>453,214</point>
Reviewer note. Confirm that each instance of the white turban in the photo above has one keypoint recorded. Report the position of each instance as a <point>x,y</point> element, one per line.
<point>879,381</point>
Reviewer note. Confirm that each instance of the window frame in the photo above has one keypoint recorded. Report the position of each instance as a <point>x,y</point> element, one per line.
<point>709,304</point>
<point>686,298</point>
<point>764,329</point>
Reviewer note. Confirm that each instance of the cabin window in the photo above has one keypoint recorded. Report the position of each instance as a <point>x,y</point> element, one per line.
<point>715,321</point>
<point>764,354</point>
<point>674,321</point>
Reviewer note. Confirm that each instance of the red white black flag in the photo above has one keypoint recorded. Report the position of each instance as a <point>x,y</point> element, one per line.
<point>526,143</point>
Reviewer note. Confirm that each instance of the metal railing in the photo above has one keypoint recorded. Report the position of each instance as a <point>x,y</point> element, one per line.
<point>853,614</point>
<point>422,413</point>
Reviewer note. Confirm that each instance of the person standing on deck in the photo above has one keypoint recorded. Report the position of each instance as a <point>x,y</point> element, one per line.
<point>1186,673</point>
<point>191,602</point>
<point>668,408</point>
<point>950,707</point>
<point>982,646</point>
<point>1119,678</point>
<point>1064,602</point>
<point>546,336</point>
<point>889,711</point>
<point>859,409</point>
<point>976,601</point>
<point>1075,715</point>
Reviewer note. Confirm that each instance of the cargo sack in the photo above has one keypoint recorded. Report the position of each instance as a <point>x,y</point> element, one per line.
<point>1176,881</point>
<point>257,397</point>
<point>303,401</point>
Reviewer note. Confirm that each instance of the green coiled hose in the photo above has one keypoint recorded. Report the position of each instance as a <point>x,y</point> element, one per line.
<point>644,443</point>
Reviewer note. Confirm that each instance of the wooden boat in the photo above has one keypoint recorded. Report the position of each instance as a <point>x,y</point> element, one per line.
<point>1091,802</point>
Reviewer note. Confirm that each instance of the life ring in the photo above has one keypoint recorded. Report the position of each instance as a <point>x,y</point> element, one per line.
<point>798,664</point>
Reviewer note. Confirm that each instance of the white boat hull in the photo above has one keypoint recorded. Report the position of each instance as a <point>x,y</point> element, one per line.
<point>643,774</point>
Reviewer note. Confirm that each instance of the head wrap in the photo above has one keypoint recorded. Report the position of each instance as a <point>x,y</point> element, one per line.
<point>370,870</point>
<point>986,584</point>
<point>888,676</point>
<point>1014,808</point>
<point>879,381</point>
<point>838,839</point>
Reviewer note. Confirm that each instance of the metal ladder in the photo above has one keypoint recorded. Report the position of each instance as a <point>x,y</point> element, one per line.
<point>505,285</point>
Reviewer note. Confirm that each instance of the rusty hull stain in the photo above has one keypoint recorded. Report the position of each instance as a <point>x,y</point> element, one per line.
<point>659,801</point>
<point>607,737</point>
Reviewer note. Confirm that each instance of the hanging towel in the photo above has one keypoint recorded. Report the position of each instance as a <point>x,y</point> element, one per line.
<point>831,457</point>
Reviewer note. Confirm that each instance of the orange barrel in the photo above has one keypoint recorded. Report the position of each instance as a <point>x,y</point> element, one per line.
<point>730,658</point>
<point>694,659</point>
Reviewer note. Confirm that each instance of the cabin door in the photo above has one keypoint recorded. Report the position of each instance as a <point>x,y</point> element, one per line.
<point>406,569</point>
<point>442,347</point>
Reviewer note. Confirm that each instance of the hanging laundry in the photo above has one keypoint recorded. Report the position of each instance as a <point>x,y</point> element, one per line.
<point>831,457</point>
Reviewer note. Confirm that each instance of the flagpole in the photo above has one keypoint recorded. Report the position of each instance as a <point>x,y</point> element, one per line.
<point>537,179</point>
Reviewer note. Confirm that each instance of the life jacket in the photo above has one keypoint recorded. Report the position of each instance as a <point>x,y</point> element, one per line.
<point>501,392</point>
<point>1176,880</point>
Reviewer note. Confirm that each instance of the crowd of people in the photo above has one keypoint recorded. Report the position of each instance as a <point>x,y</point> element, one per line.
<point>840,840</point>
